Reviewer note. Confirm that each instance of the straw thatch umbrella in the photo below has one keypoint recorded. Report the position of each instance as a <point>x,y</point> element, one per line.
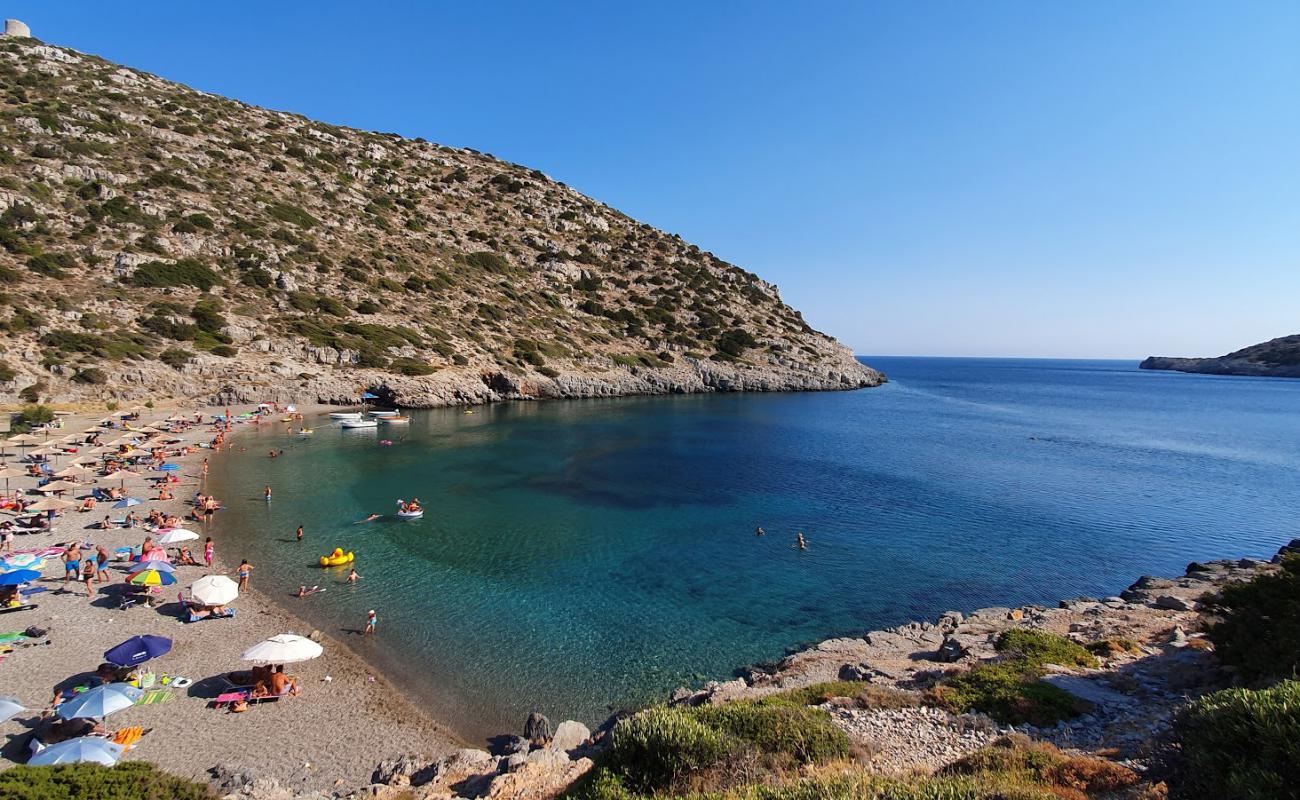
<point>119,475</point>
<point>51,504</point>
<point>75,472</point>
<point>58,486</point>
<point>9,473</point>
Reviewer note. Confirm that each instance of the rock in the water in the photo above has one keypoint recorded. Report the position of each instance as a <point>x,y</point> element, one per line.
<point>537,729</point>
<point>569,735</point>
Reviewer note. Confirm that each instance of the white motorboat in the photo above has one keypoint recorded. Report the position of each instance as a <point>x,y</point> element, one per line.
<point>383,414</point>
<point>358,423</point>
<point>341,415</point>
<point>395,420</point>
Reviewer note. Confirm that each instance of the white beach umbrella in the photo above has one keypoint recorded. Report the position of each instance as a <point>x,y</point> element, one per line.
<point>51,504</point>
<point>175,535</point>
<point>10,708</point>
<point>105,699</point>
<point>74,471</point>
<point>58,486</point>
<point>83,749</point>
<point>285,648</point>
<point>215,590</point>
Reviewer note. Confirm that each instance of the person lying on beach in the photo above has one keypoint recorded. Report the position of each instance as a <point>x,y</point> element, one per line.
<point>87,504</point>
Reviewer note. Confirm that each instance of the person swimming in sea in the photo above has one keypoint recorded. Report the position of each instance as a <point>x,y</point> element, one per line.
<point>370,518</point>
<point>800,542</point>
<point>759,531</point>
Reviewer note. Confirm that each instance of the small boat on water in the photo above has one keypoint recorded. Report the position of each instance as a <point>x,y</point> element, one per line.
<point>395,420</point>
<point>383,414</point>
<point>358,423</point>
<point>340,415</point>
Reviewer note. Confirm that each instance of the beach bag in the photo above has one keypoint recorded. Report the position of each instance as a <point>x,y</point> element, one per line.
<point>36,632</point>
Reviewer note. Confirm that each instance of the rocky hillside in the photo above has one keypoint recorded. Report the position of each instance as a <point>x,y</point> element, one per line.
<point>159,241</point>
<point>1277,358</point>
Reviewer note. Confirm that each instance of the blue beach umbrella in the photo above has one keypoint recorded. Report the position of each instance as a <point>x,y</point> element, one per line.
<point>100,701</point>
<point>94,749</point>
<point>127,502</point>
<point>156,564</point>
<point>19,576</point>
<point>10,708</point>
<point>137,650</point>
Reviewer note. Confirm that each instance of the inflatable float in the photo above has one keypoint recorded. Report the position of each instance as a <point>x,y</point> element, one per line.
<point>337,559</point>
<point>416,514</point>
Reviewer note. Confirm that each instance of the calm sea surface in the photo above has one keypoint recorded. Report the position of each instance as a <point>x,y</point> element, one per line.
<point>580,556</point>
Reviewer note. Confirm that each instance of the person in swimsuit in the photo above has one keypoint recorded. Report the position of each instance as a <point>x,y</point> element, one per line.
<point>759,531</point>
<point>300,533</point>
<point>208,549</point>
<point>88,571</point>
<point>800,542</point>
<point>353,577</point>
<point>370,518</point>
<point>372,619</point>
<point>244,569</point>
<point>71,563</point>
<point>267,493</point>
<point>101,564</point>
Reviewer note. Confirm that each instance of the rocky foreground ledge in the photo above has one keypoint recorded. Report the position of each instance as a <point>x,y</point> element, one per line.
<point>1152,659</point>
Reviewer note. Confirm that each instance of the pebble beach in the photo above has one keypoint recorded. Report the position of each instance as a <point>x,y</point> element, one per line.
<point>345,720</point>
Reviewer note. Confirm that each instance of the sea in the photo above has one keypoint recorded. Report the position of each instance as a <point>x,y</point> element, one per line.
<point>580,557</point>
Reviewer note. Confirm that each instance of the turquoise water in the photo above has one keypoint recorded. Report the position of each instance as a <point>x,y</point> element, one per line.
<point>579,556</point>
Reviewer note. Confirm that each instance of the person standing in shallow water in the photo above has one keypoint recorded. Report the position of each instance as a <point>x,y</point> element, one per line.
<point>242,573</point>
<point>300,533</point>
<point>267,493</point>
<point>371,621</point>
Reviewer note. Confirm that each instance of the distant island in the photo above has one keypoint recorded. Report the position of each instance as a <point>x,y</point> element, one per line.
<point>1276,358</point>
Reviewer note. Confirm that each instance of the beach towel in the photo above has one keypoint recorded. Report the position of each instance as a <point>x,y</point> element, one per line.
<point>7,638</point>
<point>153,698</point>
<point>128,736</point>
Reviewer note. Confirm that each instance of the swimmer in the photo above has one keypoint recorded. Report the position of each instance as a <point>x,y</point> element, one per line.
<point>353,577</point>
<point>300,533</point>
<point>267,493</point>
<point>303,591</point>
<point>800,542</point>
<point>370,518</point>
<point>759,531</point>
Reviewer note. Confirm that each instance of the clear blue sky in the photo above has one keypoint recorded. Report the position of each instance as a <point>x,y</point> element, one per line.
<point>1087,179</point>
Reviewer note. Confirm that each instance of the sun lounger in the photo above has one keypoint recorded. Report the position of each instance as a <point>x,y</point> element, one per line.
<point>230,613</point>
<point>19,607</point>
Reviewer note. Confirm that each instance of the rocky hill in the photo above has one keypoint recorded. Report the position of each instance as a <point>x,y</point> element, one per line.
<point>1277,358</point>
<point>159,241</point>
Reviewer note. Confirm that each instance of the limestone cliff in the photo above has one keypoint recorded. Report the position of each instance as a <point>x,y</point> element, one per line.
<point>1276,358</point>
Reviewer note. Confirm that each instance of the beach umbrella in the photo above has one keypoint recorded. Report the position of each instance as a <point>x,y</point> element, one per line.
<point>83,749</point>
<point>74,471</point>
<point>127,502</point>
<point>155,554</point>
<point>51,504</point>
<point>84,461</point>
<point>151,577</point>
<point>25,440</point>
<point>214,590</point>
<point>119,475</point>
<point>137,650</point>
<point>46,451</point>
<point>23,560</point>
<point>285,648</point>
<point>11,472</point>
<point>161,566</point>
<point>10,708</point>
<point>58,486</point>
<point>100,701</point>
<point>169,467</point>
<point>19,576</point>
<point>175,535</point>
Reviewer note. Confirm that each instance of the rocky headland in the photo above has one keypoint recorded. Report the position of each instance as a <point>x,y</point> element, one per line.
<point>1276,358</point>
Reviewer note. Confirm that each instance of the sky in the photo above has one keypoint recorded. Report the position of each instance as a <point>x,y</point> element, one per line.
<point>1078,180</point>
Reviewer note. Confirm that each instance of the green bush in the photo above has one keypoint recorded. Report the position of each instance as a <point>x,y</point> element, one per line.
<point>291,214</point>
<point>131,780</point>
<point>805,734</point>
<point>91,375</point>
<point>1242,610</point>
<point>186,272</point>
<point>1040,647</point>
<point>657,747</point>
<point>7,373</point>
<point>175,357</point>
<point>31,416</point>
<point>51,265</point>
<point>488,261</point>
<point>813,695</point>
<point>1239,744</point>
<point>735,342</point>
<point>410,366</point>
<point>1008,691</point>
<point>224,350</point>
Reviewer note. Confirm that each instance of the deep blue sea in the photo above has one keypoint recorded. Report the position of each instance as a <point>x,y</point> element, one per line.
<point>581,556</point>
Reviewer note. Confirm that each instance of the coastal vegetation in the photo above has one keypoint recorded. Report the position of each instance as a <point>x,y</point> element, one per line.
<point>131,780</point>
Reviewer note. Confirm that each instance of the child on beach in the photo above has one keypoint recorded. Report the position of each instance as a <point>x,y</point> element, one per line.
<point>244,569</point>
<point>371,621</point>
<point>208,549</point>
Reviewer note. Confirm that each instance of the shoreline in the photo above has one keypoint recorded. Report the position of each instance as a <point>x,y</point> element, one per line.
<point>324,738</point>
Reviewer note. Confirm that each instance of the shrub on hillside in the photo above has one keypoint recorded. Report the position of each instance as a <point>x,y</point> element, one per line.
<point>657,747</point>
<point>1239,744</point>
<point>1041,647</point>
<point>1008,691</point>
<point>31,416</point>
<point>186,272</point>
<point>131,780</point>
<point>1258,625</point>
<point>805,735</point>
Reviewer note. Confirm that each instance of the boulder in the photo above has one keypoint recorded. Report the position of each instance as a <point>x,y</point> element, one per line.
<point>951,650</point>
<point>569,735</point>
<point>405,770</point>
<point>1172,603</point>
<point>537,729</point>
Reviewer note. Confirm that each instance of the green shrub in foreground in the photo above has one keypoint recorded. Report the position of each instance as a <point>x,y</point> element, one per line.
<point>1238,636</point>
<point>1041,647</point>
<point>1008,691</point>
<point>132,780</point>
<point>659,746</point>
<point>1239,744</point>
<point>806,735</point>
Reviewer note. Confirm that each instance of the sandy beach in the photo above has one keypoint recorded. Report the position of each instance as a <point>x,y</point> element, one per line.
<point>347,718</point>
